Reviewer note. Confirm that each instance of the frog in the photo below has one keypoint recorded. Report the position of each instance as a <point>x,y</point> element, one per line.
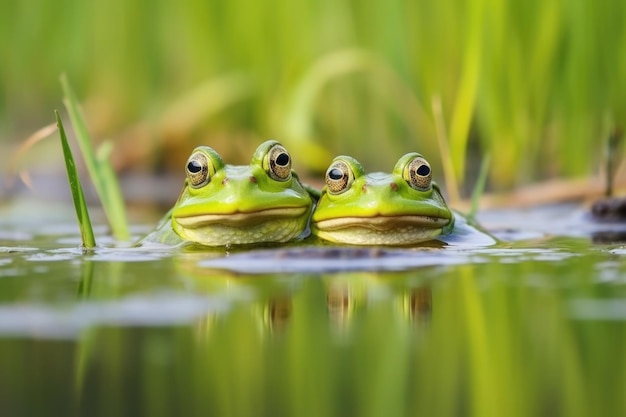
<point>401,208</point>
<point>226,205</point>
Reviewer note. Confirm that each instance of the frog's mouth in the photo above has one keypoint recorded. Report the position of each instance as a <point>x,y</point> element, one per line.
<point>239,218</point>
<point>384,223</point>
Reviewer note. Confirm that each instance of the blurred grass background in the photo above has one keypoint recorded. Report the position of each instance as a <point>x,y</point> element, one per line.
<point>539,85</point>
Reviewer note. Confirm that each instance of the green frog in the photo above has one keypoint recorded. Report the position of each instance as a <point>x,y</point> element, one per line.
<point>224,205</point>
<point>404,207</point>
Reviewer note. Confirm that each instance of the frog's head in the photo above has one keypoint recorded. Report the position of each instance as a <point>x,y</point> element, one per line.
<point>401,208</point>
<point>224,204</point>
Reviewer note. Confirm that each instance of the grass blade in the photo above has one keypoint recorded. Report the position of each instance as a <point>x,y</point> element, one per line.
<point>106,185</point>
<point>479,187</point>
<point>452,185</point>
<point>84,222</point>
<point>115,200</point>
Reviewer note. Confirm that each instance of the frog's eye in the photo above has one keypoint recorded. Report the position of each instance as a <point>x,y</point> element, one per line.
<point>198,170</point>
<point>418,174</point>
<point>339,177</point>
<point>279,163</point>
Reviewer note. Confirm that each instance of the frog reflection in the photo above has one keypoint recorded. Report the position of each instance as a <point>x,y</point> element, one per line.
<point>348,294</point>
<point>277,313</point>
<point>269,304</point>
<point>417,304</point>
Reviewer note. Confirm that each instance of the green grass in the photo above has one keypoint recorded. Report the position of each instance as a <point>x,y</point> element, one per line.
<point>536,84</point>
<point>82,213</point>
<point>100,170</point>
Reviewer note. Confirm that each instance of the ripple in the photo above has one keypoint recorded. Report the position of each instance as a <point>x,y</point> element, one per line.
<point>44,321</point>
<point>13,249</point>
<point>594,309</point>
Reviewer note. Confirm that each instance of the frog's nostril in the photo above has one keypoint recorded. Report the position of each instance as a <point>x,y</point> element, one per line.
<point>224,181</point>
<point>394,186</point>
<point>252,179</point>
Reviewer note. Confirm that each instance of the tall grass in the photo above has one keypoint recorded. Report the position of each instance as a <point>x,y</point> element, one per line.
<point>82,213</point>
<point>537,84</point>
<point>99,167</point>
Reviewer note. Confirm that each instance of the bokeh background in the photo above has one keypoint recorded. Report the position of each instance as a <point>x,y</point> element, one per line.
<point>537,85</point>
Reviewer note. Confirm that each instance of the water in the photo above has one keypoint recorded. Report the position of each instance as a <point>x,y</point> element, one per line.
<point>534,326</point>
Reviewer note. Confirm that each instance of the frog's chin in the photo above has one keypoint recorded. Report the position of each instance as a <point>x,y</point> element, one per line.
<point>237,219</point>
<point>272,225</point>
<point>381,230</point>
<point>384,223</point>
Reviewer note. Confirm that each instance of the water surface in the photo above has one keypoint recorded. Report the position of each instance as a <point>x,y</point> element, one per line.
<point>531,326</point>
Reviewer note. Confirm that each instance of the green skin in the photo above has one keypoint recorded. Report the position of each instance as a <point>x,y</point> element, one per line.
<point>381,208</point>
<point>241,204</point>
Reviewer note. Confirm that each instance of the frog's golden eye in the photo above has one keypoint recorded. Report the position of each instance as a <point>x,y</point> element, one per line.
<point>339,177</point>
<point>279,163</point>
<point>198,170</point>
<point>418,174</point>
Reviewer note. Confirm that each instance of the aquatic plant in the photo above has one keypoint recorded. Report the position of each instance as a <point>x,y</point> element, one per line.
<point>82,213</point>
<point>537,85</point>
<point>100,170</point>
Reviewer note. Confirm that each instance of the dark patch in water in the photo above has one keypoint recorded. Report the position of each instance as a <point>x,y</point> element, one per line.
<point>609,210</point>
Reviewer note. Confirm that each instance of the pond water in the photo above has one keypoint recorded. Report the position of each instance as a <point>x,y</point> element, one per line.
<point>533,326</point>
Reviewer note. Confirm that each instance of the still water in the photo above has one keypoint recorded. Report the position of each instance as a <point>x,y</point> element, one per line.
<point>533,326</point>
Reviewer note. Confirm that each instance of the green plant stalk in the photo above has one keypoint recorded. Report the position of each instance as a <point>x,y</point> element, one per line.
<point>452,185</point>
<point>466,95</point>
<point>479,187</point>
<point>84,222</point>
<point>115,200</point>
<point>612,150</point>
<point>99,169</point>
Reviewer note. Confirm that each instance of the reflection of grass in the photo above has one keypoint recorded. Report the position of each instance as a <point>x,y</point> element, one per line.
<point>495,344</point>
